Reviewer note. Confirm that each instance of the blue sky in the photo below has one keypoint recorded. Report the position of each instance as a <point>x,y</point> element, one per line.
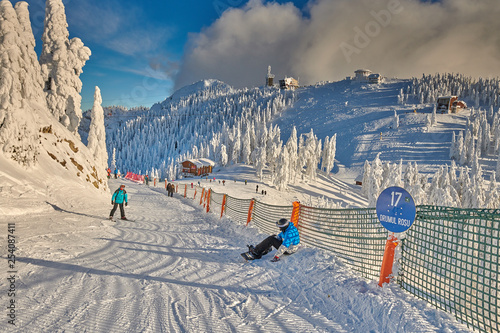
<point>143,50</point>
<point>136,45</point>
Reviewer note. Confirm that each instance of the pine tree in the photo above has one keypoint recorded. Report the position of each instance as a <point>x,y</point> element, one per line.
<point>395,121</point>
<point>260,162</point>
<point>20,86</point>
<point>97,132</point>
<point>61,63</point>
<point>246,149</point>
<point>291,146</point>
<point>223,156</point>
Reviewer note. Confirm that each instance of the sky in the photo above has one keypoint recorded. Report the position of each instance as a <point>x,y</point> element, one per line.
<point>143,51</point>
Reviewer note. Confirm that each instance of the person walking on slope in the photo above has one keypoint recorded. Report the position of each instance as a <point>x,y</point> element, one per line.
<point>286,242</point>
<point>118,199</point>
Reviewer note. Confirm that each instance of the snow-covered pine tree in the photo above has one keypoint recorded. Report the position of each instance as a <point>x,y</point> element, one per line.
<point>97,132</point>
<point>20,86</point>
<point>395,120</point>
<point>61,62</point>
<point>113,160</point>
<point>235,154</point>
<point>311,156</point>
<point>291,146</point>
<point>281,179</point>
<point>367,174</point>
<point>324,154</point>
<point>260,162</point>
<point>469,148</point>
<point>453,148</point>
<point>301,161</point>
<point>486,137</point>
<point>246,150</point>
<point>332,153</point>
<point>223,156</point>
<point>492,194</point>
<point>375,180</point>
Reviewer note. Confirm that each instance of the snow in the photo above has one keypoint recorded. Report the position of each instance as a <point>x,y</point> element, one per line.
<point>175,268</point>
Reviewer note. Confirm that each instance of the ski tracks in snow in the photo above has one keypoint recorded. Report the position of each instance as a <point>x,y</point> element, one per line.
<point>172,269</point>
<point>175,268</point>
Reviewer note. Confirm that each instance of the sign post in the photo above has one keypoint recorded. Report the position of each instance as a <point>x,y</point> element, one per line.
<point>396,212</point>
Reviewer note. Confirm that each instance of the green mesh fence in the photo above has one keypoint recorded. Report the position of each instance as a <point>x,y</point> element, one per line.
<point>264,216</point>
<point>450,258</point>
<point>216,202</point>
<point>237,209</point>
<point>354,235</point>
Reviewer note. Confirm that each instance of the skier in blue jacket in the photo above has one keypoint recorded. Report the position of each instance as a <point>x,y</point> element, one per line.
<point>286,242</point>
<point>118,199</point>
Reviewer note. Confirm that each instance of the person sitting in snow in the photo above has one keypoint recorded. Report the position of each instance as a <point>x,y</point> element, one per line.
<point>118,198</point>
<point>286,242</point>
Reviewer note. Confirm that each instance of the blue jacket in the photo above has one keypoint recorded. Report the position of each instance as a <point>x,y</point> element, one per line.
<point>290,240</point>
<point>119,196</point>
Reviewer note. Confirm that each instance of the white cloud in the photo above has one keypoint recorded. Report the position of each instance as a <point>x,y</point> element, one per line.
<point>394,37</point>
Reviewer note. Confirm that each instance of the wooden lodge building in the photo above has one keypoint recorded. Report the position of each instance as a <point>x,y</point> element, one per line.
<point>197,167</point>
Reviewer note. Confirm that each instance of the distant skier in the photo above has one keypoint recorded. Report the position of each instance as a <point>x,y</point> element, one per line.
<point>170,190</point>
<point>116,173</point>
<point>146,179</point>
<point>118,199</point>
<point>286,242</point>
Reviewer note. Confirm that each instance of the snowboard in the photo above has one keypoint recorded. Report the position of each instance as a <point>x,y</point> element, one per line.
<point>247,256</point>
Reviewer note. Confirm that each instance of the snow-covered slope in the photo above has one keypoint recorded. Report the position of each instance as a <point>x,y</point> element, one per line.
<point>203,87</point>
<point>175,268</point>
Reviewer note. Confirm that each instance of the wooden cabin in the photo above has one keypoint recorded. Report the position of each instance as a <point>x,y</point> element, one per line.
<point>447,104</point>
<point>197,167</point>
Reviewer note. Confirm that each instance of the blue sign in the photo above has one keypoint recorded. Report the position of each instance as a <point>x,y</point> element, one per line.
<point>396,209</point>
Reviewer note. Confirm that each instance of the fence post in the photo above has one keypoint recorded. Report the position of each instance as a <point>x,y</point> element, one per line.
<point>205,199</point>
<point>202,193</point>
<point>295,213</point>
<point>388,261</point>
<point>208,200</point>
<point>250,209</point>
<point>185,190</point>
<point>223,206</point>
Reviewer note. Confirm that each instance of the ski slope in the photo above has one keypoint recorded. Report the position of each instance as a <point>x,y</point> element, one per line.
<point>175,268</point>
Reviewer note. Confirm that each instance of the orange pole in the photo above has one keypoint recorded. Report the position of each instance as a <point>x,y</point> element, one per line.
<point>154,182</point>
<point>165,184</point>
<point>295,213</point>
<point>185,190</point>
<point>388,261</point>
<point>250,209</point>
<point>223,206</point>
<point>195,190</point>
<point>208,200</point>
<point>202,194</point>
